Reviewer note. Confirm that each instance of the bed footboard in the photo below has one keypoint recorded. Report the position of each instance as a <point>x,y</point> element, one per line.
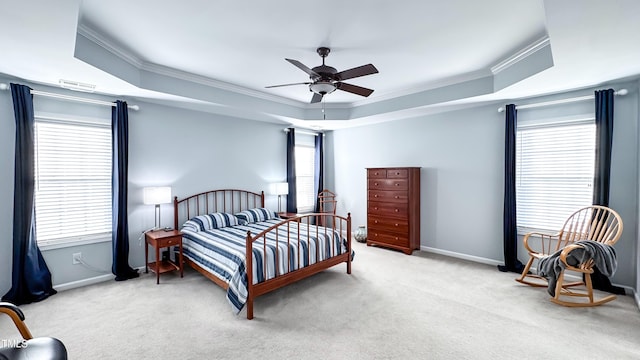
<point>320,254</point>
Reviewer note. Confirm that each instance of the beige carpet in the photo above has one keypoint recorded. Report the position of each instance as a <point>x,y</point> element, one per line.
<point>393,306</point>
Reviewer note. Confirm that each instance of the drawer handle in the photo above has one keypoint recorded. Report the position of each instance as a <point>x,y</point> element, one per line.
<point>396,238</point>
<point>377,173</point>
<point>397,225</point>
<point>375,222</point>
<point>376,184</point>
<point>375,208</point>
<point>397,173</point>
<point>397,197</point>
<point>397,210</point>
<point>397,184</point>
<point>375,196</point>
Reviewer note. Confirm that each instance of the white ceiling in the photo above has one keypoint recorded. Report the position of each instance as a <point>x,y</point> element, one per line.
<point>218,56</point>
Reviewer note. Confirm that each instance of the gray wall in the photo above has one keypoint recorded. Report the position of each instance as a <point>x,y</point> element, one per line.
<point>188,150</point>
<point>461,154</point>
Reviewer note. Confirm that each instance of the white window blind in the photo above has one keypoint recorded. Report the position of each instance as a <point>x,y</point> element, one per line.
<point>73,181</point>
<point>305,159</point>
<point>554,173</point>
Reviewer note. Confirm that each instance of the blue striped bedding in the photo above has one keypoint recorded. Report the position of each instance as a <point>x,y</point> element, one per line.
<point>222,252</point>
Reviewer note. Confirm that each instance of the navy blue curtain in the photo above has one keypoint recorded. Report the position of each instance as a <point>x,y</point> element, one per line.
<point>291,171</point>
<point>601,179</point>
<point>604,142</point>
<point>510,233</point>
<point>318,173</point>
<point>120,226</point>
<point>30,277</point>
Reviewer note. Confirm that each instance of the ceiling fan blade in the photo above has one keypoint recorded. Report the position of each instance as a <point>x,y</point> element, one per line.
<point>316,98</point>
<point>358,90</point>
<point>356,72</point>
<point>273,86</point>
<point>303,67</point>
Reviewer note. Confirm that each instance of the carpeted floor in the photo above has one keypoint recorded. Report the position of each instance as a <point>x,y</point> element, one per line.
<point>393,306</point>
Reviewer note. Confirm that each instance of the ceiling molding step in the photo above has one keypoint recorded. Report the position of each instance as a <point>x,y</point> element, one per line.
<point>207,81</point>
<point>470,76</point>
<point>98,39</point>
<point>521,55</point>
<point>456,91</point>
<point>101,41</point>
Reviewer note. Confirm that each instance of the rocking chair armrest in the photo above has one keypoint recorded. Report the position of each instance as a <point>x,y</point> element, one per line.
<point>17,316</point>
<point>563,257</point>
<point>8,308</point>
<point>537,236</point>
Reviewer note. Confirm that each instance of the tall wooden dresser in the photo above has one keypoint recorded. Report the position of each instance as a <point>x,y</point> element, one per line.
<point>393,208</point>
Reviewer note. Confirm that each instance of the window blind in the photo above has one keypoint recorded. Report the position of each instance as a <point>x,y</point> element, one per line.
<point>305,158</point>
<point>73,181</point>
<point>554,173</point>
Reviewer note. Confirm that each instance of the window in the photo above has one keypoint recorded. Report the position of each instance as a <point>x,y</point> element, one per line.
<point>305,160</point>
<point>554,172</point>
<point>72,180</point>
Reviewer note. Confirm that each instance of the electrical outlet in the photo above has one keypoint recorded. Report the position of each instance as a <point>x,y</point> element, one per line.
<point>76,258</point>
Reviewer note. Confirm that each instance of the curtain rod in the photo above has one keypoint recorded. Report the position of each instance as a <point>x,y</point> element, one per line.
<point>304,132</point>
<point>4,86</point>
<point>620,92</point>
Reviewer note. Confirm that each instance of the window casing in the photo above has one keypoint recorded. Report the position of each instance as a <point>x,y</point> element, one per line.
<point>72,181</point>
<point>554,172</point>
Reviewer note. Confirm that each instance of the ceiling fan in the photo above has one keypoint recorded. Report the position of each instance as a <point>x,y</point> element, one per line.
<point>326,79</point>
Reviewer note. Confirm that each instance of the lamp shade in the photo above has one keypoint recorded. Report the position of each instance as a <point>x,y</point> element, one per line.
<point>156,195</point>
<point>281,188</point>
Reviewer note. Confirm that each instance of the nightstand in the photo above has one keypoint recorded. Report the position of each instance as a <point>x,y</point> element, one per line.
<point>162,239</point>
<point>287,215</point>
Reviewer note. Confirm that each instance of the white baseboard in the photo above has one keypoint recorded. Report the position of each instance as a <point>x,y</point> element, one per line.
<point>84,282</point>
<point>461,256</point>
<point>88,281</point>
<point>571,277</point>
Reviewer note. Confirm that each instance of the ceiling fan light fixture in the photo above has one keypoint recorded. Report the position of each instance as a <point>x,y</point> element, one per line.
<point>322,87</point>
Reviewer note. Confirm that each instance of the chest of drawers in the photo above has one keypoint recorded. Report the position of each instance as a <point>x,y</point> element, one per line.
<point>393,208</point>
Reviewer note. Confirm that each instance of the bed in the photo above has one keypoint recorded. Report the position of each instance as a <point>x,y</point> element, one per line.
<point>233,240</point>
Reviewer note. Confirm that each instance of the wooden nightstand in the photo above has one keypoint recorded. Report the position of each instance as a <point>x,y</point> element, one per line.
<point>287,215</point>
<point>161,239</point>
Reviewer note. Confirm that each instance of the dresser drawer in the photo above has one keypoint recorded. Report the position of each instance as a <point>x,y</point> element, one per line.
<point>388,209</point>
<point>376,173</point>
<point>397,173</point>
<point>388,224</point>
<point>388,184</point>
<point>386,237</point>
<point>389,196</point>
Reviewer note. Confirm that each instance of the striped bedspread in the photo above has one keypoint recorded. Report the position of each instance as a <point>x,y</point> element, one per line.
<point>222,252</point>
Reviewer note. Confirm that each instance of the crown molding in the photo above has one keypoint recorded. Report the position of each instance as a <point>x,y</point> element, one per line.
<point>457,79</point>
<point>521,55</point>
<point>100,40</point>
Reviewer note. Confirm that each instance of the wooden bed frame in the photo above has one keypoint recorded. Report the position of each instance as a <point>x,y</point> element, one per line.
<point>233,201</point>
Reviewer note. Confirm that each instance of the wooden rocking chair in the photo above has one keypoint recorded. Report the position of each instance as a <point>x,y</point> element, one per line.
<point>595,223</point>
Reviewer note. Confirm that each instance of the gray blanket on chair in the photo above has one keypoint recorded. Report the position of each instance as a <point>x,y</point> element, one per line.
<point>603,255</point>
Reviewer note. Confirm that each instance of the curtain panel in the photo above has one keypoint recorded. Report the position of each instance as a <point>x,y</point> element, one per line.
<point>510,232</point>
<point>120,231</point>
<point>318,173</point>
<point>30,276</point>
<point>292,199</point>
